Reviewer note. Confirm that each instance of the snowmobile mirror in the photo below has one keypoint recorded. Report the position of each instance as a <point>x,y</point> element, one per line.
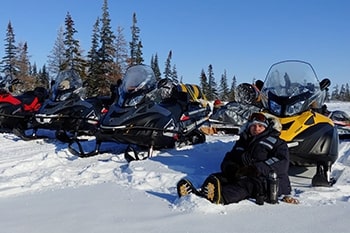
<point>259,84</point>
<point>325,83</point>
<point>119,82</point>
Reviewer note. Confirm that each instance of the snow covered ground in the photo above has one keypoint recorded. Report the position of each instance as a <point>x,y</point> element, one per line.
<point>44,188</point>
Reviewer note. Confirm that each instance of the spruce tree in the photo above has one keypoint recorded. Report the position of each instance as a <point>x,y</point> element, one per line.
<point>155,67</point>
<point>73,58</point>
<point>94,63</point>
<point>167,69</point>
<point>109,72</point>
<point>26,82</point>
<point>174,76</point>
<point>224,90</point>
<point>213,93</point>
<point>56,58</point>
<point>121,52</point>
<point>135,44</point>
<point>8,63</point>
<point>204,83</point>
<point>233,89</point>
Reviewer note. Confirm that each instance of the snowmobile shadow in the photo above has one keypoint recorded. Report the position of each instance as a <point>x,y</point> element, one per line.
<point>196,161</point>
<point>46,135</point>
<point>166,196</point>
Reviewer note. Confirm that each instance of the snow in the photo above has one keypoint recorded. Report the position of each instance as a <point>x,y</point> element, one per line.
<point>44,188</point>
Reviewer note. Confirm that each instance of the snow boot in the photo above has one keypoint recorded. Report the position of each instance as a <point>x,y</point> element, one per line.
<point>211,190</point>
<point>185,187</point>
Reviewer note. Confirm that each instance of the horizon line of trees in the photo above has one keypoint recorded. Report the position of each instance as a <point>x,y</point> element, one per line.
<point>106,61</point>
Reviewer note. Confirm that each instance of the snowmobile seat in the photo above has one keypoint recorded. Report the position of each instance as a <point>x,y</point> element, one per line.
<point>177,104</point>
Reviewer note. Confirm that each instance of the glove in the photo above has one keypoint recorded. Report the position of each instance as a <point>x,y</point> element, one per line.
<point>230,169</point>
<point>246,159</point>
<point>250,171</point>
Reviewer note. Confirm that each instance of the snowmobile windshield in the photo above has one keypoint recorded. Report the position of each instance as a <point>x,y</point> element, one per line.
<point>137,82</point>
<point>67,84</point>
<point>291,87</point>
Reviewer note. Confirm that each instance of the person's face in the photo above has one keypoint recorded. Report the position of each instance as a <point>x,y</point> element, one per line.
<point>256,129</point>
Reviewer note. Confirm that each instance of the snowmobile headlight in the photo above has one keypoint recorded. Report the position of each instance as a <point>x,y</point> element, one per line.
<point>294,109</point>
<point>43,119</point>
<point>275,108</point>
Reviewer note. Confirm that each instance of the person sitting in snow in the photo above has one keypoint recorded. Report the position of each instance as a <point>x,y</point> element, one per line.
<point>244,170</point>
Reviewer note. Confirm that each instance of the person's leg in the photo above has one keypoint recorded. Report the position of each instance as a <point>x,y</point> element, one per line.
<point>236,192</point>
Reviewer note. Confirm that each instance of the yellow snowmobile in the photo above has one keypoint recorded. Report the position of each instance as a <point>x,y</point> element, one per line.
<point>293,93</point>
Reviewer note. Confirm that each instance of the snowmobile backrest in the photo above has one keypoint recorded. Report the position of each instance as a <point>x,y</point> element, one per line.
<point>194,93</point>
<point>166,89</point>
<point>41,93</point>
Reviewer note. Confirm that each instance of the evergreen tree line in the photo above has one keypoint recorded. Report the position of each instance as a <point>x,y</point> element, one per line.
<point>105,62</point>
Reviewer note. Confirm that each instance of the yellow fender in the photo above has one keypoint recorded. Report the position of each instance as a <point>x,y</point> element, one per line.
<point>300,123</point>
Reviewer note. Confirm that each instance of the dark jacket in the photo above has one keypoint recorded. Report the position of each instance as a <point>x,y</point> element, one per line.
<point>258,155</point>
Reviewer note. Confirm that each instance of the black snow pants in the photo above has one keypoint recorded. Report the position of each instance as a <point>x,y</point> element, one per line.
<point>234,191</point>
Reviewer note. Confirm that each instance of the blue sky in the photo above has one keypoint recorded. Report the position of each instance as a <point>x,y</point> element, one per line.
<point>241,37</point>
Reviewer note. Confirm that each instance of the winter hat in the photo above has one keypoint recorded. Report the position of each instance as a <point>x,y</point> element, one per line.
<point>258,118</point>
<point>217,103</point>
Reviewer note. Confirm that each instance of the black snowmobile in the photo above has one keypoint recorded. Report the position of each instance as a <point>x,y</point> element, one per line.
<point>17,110</point>
<point>66,111</point>
<point>148,115</point>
